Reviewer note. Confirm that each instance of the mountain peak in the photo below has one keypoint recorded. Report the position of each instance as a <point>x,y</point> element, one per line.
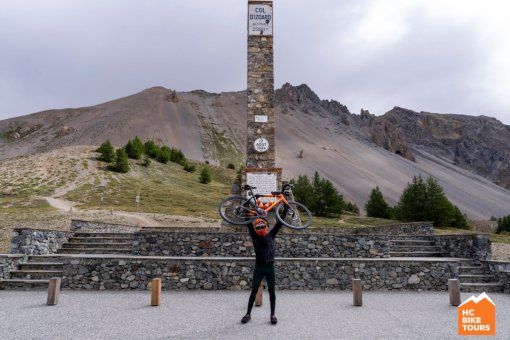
<point>301,94</point>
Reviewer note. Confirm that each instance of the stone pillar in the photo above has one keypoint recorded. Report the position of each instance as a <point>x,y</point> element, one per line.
<point>260,139</point>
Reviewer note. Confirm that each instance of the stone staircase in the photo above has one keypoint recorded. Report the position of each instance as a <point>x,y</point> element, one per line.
<point>475,277</point>
<point>415,246</point>
<point>98,243</point>
<point>33,274</point>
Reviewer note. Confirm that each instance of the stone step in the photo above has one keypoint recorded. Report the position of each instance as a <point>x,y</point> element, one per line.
<point>418,254</point>
<point>477,278</point>
<point>411,238</point>
<point>103,235</point>
<point>482,287</point>
<point>41,266</point>
<point>412,242</point>
<point>100,239</point>
<point>94,251</point>
<point>124,245</point>
<point>416,248</point>
<point>35,274</point>
<point>21,284</point>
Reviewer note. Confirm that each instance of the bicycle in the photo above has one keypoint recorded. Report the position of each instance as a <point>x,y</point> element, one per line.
<point>240,210</point>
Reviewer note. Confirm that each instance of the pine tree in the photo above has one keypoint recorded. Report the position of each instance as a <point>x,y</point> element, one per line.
<point>459,220</point>
<point>121,163</point>
<point>164,155</point>
<point>411,204</point>
<point>376,206</point>
<point>151,149</point>
<point>106,151</point>
<point>303,190</point>
<point>437,206</point>
<point>503,224</point>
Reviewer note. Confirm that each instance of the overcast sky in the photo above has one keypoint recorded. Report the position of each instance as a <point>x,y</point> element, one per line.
<point>445,56</point>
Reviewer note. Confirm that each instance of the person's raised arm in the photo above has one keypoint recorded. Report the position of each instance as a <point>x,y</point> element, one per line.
<point>279,224</point>
<point>251,230</point>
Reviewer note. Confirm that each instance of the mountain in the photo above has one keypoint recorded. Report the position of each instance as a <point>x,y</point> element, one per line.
<point>356,152</point>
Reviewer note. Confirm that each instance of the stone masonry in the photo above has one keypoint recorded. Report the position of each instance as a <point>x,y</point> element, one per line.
<point>261,98</point>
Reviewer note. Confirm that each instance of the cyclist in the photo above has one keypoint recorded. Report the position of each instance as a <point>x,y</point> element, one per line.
<point>264,244</point>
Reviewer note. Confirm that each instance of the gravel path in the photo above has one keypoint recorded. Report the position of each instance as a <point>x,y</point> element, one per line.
<point>217,314</point>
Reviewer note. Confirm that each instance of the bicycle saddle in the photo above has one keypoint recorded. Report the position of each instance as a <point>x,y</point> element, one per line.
<point>248,187</point>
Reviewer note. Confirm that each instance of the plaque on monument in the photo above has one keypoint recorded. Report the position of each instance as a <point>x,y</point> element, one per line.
<point>260,119</point>
<point>261,145</point>
<point>264,182</point>
<point>260,19</point>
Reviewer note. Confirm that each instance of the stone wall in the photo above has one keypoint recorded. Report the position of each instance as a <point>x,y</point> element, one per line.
<point>9,262</point>
<point>502,270</point>
<point>414,228</point>
<point>86,226</point>
<point>466,246</point>
<point>165,243</point>
<point>235,273</point>
<point>37,242</point>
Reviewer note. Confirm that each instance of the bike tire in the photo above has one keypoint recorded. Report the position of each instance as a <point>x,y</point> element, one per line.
<point>231,210</point>
<point>298,217</point>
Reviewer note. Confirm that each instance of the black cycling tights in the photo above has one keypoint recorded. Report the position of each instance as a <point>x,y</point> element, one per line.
<point>272,299</point>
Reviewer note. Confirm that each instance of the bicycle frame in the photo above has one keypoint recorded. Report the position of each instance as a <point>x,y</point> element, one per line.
<point>280,199</point>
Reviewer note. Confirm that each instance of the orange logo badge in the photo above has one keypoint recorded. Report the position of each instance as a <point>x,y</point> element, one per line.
<point>477,316</point>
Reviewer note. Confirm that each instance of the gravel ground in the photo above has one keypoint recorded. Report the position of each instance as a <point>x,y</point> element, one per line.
<point>501,251</point>
<point>216,315</point>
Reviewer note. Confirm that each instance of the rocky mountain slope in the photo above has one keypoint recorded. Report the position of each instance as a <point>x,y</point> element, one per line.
<point>356,152</point>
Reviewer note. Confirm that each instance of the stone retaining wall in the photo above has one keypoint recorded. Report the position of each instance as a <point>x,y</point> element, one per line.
<point>236,273</point>
<point>9,262</point>
<point>502,270</point>
<point>86,226</point>
<point>466,246</point>
<point>37,242</point>
<point>165,243</point>
<point>415,228</point>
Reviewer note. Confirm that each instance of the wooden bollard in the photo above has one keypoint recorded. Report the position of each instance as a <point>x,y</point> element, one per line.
<point>258,298</point>
<point>53,291</point>
<point>156,292</point>
<point>356,292</point>
<point>454,291</point>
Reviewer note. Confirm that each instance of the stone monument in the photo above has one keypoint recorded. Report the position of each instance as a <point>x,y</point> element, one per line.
<point>260,152</point>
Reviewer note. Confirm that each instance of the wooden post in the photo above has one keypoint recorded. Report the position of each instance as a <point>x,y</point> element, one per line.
<point>454,291</point>
<point>53,291</point>
<point>156,292</point>
<point>258,298</point>
<point>356,292</point>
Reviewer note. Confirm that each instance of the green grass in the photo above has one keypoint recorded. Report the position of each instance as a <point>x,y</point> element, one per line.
<point>164,188</point>
<point>500,238</point>
<point>349,221</point>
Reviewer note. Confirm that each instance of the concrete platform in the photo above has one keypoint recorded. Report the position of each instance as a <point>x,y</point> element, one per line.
<point>217,315</point>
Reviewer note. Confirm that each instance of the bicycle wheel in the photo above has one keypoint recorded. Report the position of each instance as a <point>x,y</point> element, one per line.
<point>298,216</point>
<point>235,210</point>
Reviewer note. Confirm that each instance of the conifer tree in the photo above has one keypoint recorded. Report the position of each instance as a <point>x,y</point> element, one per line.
<point>376,206</point>
<point>106,151</point>
<point>121,163</point>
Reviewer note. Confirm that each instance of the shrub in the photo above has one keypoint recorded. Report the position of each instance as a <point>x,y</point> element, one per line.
<point>351,207</point>
<point>231,166</point>
<point>146,161</point>
<point>205,176</point>
<point>106,151</point>
<point>176,156</point>
<point>189,167</point>
<point>503,224</point>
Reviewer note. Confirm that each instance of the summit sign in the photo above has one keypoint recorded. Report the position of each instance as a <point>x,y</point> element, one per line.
<point>260,19</point>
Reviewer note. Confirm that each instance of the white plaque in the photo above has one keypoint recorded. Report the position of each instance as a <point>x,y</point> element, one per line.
<point>260,119</point>
<point>260,19</point>
<point>264,182</point>
<point>261,145</point>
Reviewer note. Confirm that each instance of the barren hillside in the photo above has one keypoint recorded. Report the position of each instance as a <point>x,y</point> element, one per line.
<point>343,147</point>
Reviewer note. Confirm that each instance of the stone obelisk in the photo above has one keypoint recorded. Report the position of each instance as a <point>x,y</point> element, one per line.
<point>261,154</point>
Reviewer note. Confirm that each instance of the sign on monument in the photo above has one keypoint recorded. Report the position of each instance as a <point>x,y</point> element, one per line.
<point>261,145</point>
<point>260,19</point>
<point>264,182</point>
